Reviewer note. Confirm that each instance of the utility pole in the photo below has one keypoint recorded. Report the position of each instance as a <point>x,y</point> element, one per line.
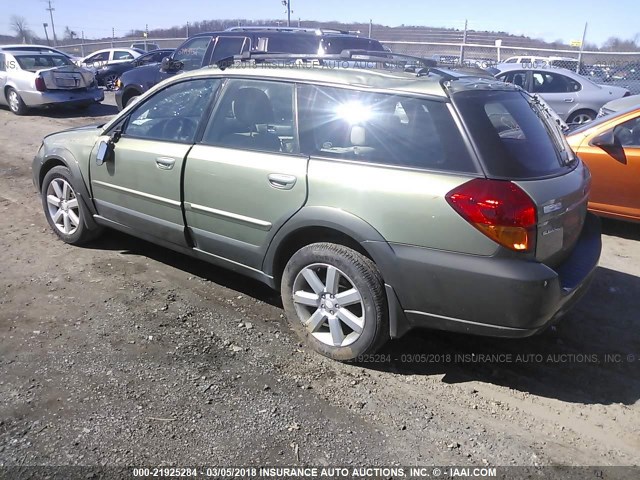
<point>53,27</point>
<point>113,35</point>
<point>464,40</point>
<point>187,29</point>
<point>370,26</point>
<point>46,34</point>
<point>146,35</point>
<point>82,45</point>
<point>584,36</point>
<point>287,3</point>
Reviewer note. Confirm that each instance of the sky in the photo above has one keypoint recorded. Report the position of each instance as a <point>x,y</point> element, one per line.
<point>547,19</point>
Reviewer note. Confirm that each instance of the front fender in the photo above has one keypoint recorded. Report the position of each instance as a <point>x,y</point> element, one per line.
<point>61,156</point>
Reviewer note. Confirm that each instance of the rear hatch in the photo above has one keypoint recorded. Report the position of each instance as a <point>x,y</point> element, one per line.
<point>517,141</point>
<point>66,77</point>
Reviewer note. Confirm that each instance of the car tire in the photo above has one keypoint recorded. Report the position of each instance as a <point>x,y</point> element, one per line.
<point>64,210</point>
<point>314,282</point>
<point>581,116</point>
<point>129,100</point>
<point>16,105</point>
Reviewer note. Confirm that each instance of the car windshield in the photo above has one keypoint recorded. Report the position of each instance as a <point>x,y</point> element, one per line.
<point>35,62</point>
<point>514,137</point>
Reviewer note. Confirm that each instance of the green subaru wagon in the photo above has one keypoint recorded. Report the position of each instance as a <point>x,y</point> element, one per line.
<point>376,200</point>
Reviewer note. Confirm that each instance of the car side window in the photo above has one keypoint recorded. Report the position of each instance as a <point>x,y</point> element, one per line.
<point>192,52</point>
<point>228,46</point>
<point>100,57</point>
<point>517,78</point>
<point>172,114</point>
<point>545,82</point>
<point>122,55</point>
<point>254,115</point>
<point>628,133</point>
<point>380,128</point>
<point>3,67</point>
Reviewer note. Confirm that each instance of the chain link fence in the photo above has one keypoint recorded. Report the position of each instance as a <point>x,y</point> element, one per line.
<point>611,68</point>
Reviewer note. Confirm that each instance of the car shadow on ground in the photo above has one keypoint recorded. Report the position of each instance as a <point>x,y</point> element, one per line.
<point>95,110</point>
<point>591,356</point>
<point>128,245</point>
<point>618,228</point>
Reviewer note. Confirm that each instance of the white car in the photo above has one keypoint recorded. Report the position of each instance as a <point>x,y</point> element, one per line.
<point>37,48</point>
<point>109,55</point>
<point>34,79</point>
<point>575,98</point>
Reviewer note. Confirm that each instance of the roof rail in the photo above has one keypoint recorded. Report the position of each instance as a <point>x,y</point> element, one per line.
<point>409,63</point>
<point>267,28</point>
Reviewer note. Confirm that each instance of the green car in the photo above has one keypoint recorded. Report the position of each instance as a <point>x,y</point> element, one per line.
<point>376,200</point>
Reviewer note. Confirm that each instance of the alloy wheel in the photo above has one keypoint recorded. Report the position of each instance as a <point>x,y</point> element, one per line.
<point>63,206</point>
<point>329,305</point>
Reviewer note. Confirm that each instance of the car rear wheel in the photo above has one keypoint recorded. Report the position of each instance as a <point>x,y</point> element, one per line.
<point>16,104</point>
<point>581,116</point>
<point>335,301</point>
<point>63,209</point>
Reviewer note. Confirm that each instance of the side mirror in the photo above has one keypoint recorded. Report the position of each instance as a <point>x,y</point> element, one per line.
<point>605,139</point>
<point>169,65</point>
<point>105,152</point>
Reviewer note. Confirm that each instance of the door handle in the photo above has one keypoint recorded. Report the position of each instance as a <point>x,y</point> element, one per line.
<point>165,163</point>
<point>282,181</point>
<point>568,100</point>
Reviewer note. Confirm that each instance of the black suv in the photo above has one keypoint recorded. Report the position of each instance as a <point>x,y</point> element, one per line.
<point>209,48</point>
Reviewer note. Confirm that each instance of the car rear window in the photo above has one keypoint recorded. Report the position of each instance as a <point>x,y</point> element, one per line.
<point>512,136</point>
<point>381,128</point>
<point>38,61</point>
<point>335,45</point>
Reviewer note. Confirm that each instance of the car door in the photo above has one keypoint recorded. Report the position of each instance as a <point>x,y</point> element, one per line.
<point>246,178</point>
<point>140,186</point>
<point>558,90</point>
<point>616,171</point>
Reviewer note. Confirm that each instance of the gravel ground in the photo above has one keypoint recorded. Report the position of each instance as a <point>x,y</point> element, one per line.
<point>124,353</point>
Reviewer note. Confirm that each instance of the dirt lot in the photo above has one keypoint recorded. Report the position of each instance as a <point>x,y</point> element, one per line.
<point>123,353</point>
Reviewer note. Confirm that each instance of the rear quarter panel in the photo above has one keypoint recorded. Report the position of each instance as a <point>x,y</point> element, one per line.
<point>405,206</point>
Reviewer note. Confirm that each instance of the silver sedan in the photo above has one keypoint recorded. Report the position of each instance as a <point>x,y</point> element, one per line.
<point>575,99</point>
<point>41,79</point>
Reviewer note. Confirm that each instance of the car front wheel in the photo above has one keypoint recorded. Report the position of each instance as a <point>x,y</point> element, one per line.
<point>63,209</point>
<point>335,301</point>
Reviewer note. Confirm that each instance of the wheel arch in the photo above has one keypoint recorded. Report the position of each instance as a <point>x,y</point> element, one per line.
<point>58,159</point>
<point>320,224</point>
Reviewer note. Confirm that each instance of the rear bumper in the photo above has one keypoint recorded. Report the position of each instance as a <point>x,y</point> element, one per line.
<point>492,296</point>
<point>61,97</point>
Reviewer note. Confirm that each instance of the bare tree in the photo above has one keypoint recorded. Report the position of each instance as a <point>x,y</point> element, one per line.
<point>19,26</point>
<point>69,34</point>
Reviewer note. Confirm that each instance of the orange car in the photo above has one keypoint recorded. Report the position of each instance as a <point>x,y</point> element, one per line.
<point>610,146</point>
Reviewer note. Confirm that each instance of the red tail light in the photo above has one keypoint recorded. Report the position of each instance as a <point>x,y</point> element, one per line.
<point>499,209</point>
<point>40,86</point>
